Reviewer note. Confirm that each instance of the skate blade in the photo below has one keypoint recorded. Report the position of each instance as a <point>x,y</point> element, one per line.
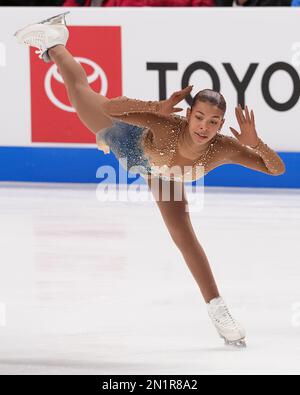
<point>59,18</point>
<point>237,343</point>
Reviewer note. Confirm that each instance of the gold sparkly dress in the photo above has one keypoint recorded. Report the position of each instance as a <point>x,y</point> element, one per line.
<point>159,144</point>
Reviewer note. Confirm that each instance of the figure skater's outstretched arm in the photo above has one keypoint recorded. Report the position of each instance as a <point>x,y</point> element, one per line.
<point>259,156</point>
<point>123,105</point>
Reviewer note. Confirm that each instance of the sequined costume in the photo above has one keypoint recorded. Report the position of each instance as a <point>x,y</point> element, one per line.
<point>150,141</point>
<point>125,142</point>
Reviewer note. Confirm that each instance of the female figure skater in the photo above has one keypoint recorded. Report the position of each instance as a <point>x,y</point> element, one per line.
<point>154,140</point>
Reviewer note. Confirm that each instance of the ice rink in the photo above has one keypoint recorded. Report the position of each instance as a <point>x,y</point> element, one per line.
<point>91,287</point>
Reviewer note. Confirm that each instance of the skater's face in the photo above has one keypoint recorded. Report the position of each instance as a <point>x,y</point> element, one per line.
<point>204,119</point>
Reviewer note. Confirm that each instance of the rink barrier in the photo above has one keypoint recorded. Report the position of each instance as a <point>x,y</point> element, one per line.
<point>79,165</point>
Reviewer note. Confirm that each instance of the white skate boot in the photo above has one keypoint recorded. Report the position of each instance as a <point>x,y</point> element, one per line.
<point>45,35</point>
<point>229,329</point>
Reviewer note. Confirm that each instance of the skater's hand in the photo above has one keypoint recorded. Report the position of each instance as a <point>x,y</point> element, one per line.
<point>169,106</point>
<point>248,135</point>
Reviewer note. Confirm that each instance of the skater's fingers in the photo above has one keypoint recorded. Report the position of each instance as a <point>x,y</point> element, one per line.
<point>247,115</point>
<point>242,116</point>
<point>235,132</point>
<point>179,95</point>
<point>252,118</point>
<point>238,116</point>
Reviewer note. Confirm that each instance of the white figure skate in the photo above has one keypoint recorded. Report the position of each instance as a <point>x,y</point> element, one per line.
<point>229,329</point>
<point>45,35</point>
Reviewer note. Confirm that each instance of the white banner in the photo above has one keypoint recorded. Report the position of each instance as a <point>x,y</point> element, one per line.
<point>251,55</point>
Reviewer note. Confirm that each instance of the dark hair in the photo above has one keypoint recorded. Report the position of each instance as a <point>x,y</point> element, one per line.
<point>211,96</point>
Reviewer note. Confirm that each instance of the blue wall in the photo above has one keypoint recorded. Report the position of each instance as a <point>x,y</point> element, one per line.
<point>79,165</point>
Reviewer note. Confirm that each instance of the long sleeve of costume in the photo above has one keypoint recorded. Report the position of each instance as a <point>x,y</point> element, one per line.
<point>124,105</point>
<point>261,158</point>
<point>143,114</point>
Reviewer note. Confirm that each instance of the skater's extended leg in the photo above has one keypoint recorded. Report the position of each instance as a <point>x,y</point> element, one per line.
<point>50,37</point>
<point>176,217</point>
<point>179,225</point>
<point>85,101</point>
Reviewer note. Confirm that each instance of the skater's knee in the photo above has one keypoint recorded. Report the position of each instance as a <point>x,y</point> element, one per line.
<point>83,94</point>
<point>181,240</point>
<point>78,89</point>
<point>75,93</point>
<point>180,233</point>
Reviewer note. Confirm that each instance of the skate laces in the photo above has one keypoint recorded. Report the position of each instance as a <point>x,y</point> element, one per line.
<point>222,317</point>
<point>37,40</point>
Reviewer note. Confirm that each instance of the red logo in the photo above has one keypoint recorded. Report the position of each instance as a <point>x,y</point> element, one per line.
<point>53,119</point>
